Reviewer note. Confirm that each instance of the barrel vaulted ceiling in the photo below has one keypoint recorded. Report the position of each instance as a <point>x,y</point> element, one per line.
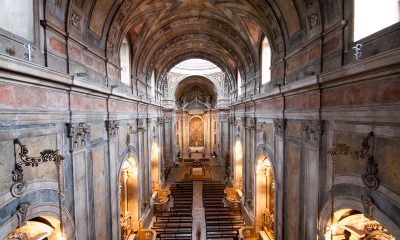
<point>163,33</point>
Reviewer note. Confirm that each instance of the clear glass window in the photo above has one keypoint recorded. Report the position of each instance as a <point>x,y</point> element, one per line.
<point>265,62</point>
<point>370,16</point>
<point>125,62</point>
<point>17,17</point>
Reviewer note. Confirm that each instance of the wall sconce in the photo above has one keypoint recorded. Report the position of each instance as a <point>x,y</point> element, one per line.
<point>20,185</point>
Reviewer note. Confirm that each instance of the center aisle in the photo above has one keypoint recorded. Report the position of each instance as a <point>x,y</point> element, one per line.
<point>199,220</point>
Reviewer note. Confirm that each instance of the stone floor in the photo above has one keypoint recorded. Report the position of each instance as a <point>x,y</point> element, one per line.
<point>199,220</point>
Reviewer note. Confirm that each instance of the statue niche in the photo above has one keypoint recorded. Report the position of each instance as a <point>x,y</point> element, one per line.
<point>196,138</point>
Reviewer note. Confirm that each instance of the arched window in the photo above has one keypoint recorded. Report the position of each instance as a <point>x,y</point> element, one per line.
<point>17,17</point>
<point>153,83</point>
<point>239,83</point>
<point>371,16</point>
<point>265,62</point>
<point>124,55</point>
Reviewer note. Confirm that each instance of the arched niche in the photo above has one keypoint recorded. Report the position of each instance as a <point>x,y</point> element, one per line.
<point>46,214</point>
<point>265,192</point>
<point>129,195</point>
<point>345,206</point>
<point>155,163</point>
<point>238,159</point>
<point>196,92</point>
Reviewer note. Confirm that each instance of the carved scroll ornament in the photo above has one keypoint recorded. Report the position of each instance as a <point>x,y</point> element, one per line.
<point>370,176</point>
<point>48,155</point>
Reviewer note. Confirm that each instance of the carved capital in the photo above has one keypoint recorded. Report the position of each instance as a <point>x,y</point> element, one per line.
<point>231,120</point>
<point>279,126</point>
<point>251,123</point>
<point>79,134</point>
<point>112,128</point>
<point>312,131</point>
<point>142,124</point>
<point>131,128</point>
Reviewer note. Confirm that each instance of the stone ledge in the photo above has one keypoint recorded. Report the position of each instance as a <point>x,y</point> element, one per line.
<point>24,67</point>
<point>380,61</point>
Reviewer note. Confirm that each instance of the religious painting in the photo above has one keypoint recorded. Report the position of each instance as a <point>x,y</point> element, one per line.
<point>196,136</point>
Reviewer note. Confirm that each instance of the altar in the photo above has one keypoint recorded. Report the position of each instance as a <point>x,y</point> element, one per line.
<point>197,169</point>
<point>197,172</point>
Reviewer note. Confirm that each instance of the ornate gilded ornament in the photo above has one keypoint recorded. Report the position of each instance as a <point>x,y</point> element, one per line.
<point>16,236</point>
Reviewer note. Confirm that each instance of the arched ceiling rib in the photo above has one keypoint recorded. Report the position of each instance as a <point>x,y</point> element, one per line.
<point>200,42</point>
<point>190,54</point>
<point>227,30</point>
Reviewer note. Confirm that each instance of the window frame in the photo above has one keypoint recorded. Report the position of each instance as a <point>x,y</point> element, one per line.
<point>36,29</point>
<point>372,36</point>
<point>129,62</point>
<point>264,37</point>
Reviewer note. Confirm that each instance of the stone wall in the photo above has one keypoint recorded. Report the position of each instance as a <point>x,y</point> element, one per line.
<point>92,128</point>
<point>342,104</point>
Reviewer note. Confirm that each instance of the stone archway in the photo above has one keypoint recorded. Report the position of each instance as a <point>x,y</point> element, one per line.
<point>363,206</point>
<point>155,164</point>
<point>129,196</point>
<point>47,213</point>
<point>238,157</point>
<point>265,193</point>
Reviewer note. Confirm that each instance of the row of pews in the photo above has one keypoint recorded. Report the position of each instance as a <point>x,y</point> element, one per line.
<point>222,222</point>
<point>177,223</point>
